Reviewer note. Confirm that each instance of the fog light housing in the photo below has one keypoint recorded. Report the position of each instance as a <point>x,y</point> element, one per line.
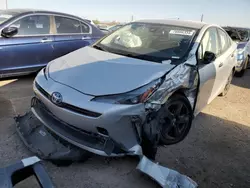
<point>102,131</point>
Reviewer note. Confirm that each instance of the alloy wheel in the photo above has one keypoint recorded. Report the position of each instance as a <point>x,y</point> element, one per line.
<point>176,122</point>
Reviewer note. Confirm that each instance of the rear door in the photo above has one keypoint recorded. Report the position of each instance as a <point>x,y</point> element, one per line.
<point>31,48</point>
<point>227,56</point>
<point>71,34</point>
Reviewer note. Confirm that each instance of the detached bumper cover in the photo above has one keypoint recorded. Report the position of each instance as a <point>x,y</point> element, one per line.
<point>41,142</point>
<point>15,173</point>
<point>166,177</point>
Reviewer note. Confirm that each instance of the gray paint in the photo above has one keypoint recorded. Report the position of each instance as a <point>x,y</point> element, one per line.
<point>95,72</point>
<point>114,118</point>
<point>66,77</point>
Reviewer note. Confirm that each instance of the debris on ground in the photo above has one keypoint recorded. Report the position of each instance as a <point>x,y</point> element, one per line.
<point>22,170</point>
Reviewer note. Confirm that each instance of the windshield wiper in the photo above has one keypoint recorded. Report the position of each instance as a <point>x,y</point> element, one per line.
<point>100,48</point>
<point>142,57</point>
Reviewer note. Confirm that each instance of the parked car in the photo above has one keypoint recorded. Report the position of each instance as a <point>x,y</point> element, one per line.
<point>136,88</point>
<point>105,31</point>
<point>115,27</point>
<point>32,38</point>
<point>241,37</point>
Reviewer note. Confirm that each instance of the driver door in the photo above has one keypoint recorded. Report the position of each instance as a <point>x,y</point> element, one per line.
<point>210,74</point>
<point>31,48</point>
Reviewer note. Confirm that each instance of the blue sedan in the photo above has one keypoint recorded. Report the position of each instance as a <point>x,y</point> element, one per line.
<point>32,38</point>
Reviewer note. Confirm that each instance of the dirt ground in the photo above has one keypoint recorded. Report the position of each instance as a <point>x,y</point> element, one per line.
<point>215,153</point>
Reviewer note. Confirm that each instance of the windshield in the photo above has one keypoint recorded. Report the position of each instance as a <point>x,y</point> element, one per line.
<point>113,28</point>
<point>5,15</point>
<point>154,42</point>
<point>238,34</point>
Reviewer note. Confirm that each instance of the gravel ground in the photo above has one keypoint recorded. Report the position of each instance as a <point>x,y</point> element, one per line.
<point>215,153</point>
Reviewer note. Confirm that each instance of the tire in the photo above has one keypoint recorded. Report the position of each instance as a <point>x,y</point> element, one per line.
<point>175,119</point>
<point>241,73</point>
<point>227,86</point>
<point>248,63</point>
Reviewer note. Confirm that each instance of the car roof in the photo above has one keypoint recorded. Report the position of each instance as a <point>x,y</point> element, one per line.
<point>27,11</point>
<point>230,27</point>
<point>17,11</point>
<point>183,23</point>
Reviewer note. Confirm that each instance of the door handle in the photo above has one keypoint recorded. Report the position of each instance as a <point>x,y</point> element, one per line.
<point>46,40</point>
<point>86,38</point>
<point>221,64</point>
<point>232,55</point>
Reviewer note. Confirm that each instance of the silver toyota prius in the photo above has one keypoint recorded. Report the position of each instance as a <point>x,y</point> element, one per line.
<point>135,89</point>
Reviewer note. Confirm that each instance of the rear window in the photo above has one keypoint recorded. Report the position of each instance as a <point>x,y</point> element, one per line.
<point>67,25</point>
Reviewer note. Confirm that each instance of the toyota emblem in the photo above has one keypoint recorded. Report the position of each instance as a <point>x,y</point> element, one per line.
<point>56,98</point>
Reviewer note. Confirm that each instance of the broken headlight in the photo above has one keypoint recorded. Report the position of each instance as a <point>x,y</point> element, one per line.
<point>133,97</point>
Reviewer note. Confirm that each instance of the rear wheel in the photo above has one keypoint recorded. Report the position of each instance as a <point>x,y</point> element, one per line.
<point>228,84</point>
<point>176,119</point>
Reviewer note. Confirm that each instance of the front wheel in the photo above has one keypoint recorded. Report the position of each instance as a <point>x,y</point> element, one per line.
<point>176,119</point>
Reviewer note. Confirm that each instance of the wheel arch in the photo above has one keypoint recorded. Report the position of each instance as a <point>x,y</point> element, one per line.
<point>187,92</point>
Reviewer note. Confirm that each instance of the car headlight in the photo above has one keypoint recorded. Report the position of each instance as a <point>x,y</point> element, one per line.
<point>133,97</point>
<point>241,50</point>
<point>240,55</point>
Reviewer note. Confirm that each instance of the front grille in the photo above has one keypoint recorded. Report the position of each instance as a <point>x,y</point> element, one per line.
<point>69,106</point>
<point>72,133</point>
<point>80,110</point>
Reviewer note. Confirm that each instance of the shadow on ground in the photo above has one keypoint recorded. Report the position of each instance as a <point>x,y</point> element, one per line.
<point>15,93</point>
<point>215,153</point>
<point>243,81</point>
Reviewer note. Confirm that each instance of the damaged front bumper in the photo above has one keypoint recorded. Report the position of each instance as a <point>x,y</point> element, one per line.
<point>47,145</point>
<point>39,126</point>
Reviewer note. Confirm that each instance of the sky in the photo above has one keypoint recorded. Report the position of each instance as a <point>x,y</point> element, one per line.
<point>222,12</point>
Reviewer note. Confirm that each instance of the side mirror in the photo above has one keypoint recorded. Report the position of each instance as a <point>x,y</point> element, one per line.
<point>209,57</point>
<point>8,32</point>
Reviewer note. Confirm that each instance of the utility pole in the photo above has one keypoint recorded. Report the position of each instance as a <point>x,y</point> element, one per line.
<point>3,4</point>
<point>202,18</point>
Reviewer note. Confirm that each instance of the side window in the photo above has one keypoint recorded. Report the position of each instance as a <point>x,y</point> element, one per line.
<point>33,25</point>
<point>224,42</point>
<point>67,25</point>
<point>209,43</point>
<point>85,28</point>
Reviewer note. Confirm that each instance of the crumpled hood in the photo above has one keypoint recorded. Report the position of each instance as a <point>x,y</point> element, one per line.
<point>95,72</point>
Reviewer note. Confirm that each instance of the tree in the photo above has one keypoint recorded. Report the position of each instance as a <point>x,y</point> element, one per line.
<point>96,21</point>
